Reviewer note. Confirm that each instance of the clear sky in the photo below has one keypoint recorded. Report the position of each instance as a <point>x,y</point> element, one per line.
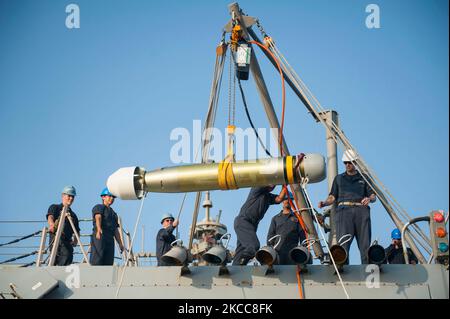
<point>77,104</point>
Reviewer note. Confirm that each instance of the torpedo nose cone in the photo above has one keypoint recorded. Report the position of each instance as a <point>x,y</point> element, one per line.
<point>313,166</point>
<point>122,183</point>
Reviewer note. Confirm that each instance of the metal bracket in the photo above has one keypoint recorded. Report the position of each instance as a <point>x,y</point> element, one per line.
<point>248,22</point>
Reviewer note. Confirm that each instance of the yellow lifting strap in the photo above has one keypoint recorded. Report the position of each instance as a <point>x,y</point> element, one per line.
<point>290,169</point>
<point>226,176</point>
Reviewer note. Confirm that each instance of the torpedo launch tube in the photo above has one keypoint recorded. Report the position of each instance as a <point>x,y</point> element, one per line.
<point>133,182</point>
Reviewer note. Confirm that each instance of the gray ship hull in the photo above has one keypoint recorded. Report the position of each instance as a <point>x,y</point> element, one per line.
<point>248,282</point>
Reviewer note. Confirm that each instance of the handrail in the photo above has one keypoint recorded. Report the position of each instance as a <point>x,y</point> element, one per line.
<point>409,223</point>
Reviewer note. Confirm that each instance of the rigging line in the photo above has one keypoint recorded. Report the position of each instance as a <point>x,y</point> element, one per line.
<point>250,119</point>
<point>205,143</point>
<point>290,70</point>
<point>211,117</point>
<point>131,244</point>
<point>283,94</point>
<point>324,239</point>
<point>22,238</point>
<point>229,90</point>
<point>179,213</point>
<point>19,257</point>
<point>299,282</point>
<point>233,110</point>
<point>341,135</point>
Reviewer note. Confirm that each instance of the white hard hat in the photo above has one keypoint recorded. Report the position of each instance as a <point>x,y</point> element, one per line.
<point>349,156</point>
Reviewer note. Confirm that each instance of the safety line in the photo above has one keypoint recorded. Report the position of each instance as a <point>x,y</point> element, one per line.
<point>131,244</point>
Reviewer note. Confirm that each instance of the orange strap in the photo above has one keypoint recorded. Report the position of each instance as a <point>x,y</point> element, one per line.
<point>299,282</point>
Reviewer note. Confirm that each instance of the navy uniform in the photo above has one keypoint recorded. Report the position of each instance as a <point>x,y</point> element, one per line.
<point>288,227</point>
<point>246,223</point>
<point>102,250</point>
<point>395,255</point>
<point>64,254</point>
<point>351,216</point>
<point>163,240</point>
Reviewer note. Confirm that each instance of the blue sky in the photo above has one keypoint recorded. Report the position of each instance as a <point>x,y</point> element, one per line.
<point>77,104</point>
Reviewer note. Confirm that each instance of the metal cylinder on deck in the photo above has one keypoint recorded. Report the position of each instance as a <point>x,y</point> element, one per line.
<point>132,182</point>
<point>376,254</point>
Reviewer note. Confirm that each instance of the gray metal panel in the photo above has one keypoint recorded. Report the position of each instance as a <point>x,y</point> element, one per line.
<point>27,285</point>
<point>396,281</point>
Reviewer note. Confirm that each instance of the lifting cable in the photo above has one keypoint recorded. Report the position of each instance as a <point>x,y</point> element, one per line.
<point>303,186</point>
<point>209,123</point>
<point>282,152</point>
<point>300,284</point>
<point>342,138</point>
<point>131,244</point>
<point>250,119</point>
<point>225,176</point>
<point>283,96</point>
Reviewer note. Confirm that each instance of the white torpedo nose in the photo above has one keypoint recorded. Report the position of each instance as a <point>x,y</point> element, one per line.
<point>122,183</point>
<point>313,166</point>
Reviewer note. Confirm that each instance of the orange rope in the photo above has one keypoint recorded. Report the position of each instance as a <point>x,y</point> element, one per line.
<point>282,152</point>
<point>299,282</point>
<point>283,103</point>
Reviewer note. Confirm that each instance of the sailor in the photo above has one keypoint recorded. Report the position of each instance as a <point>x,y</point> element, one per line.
<point>64,254</point>
<point>105,229</point>
<point>394,253</point>
<point>165,237</point>
<point>353,195</point>
<point>288,227</point>
<point>246,223</point>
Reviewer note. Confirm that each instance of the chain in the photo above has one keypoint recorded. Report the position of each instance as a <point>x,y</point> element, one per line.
<point>233,114</point>
<point>229,89</point>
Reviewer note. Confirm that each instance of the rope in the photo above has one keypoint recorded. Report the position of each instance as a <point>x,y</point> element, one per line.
<point>21,221</point>
<point>250,119</point>
<point>283,96</point>
<point>36,221</point>
<point>342,138</point>
<point>131,244</point>
<point>299,218</point>
<point>19,257</point>
<point>179,213</point>
<point>229,90</point>
<point>22,238</point>
<point>299,282</point>
<point>324,239</point>
<point>210,119</point>
<point>27,265</point>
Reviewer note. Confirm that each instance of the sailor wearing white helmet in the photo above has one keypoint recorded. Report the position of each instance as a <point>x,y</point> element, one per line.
<point>353,195</point>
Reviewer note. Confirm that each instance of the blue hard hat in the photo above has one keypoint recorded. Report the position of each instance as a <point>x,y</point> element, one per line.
<point>166,216</point>
<point>69,190</point>
<point>396,234</point>
<point>106,192</point>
